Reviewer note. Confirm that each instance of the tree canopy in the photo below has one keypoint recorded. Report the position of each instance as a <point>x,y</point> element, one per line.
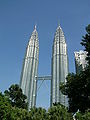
<point>86,42</point>
<point>38,114</point>
<point>8,112</point>
<point>16,97</point>
<point>5,108</point>
<point>81,116</point>
<point>59,112</point>
<point>77,86</point>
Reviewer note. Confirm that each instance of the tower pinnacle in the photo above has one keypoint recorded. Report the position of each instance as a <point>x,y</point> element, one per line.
<point>58,24</point>
<point>35,27</point>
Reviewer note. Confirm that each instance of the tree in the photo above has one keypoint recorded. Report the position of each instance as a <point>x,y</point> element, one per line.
<point>16,97</point>
<point>77,86</point>
<point>59,112</point>
<point>78,90</point>
<point>19,114</point>
<point>86,42</point>
<point>5,108</point>
<point>37,114</point>
<point>85,116</point>
<point>7,112</point>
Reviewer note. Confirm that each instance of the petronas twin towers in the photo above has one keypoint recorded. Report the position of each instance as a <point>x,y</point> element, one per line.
<point>59,69</point>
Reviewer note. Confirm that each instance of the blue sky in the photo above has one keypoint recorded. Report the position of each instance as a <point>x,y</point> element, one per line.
<point>17,20</point>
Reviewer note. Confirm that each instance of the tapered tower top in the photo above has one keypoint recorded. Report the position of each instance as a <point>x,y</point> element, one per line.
<point>34,37</point>
<point>35,29</point>
<point>59,35</point>
<point>34,33</point>
<point>59,24</point>
<point>59,28</point>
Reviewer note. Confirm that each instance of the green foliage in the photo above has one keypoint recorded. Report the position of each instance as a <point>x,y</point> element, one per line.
<point>85,116</point>
<point>5,108</point>
<point>8,112</point>
<point>86,42</point>
<point>38,114</point>
<point>19,114</point>
<point>78,90</point>
<point>16,97</point>
<point>59,112</point>
<point>78,85</point>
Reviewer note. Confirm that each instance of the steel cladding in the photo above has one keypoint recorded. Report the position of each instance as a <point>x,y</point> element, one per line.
<point>59,69</point>
<point>28,80</point>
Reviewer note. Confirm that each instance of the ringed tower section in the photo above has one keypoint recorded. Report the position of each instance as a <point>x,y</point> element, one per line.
<point>28,81</point>
<point>59,69</point>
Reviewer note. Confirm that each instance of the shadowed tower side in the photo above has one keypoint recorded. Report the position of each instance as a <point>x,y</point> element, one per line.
<point>59,69</point>
<point>28,81</point>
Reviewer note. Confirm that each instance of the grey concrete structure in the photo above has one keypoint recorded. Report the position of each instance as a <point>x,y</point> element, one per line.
<point>59,67</point>
<point>80,60</point>
<point>28,81</point>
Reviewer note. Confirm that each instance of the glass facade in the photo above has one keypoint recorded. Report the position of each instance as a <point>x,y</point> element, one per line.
<point>28,80</point>
<point>59,70</point>
<point>59,67</point>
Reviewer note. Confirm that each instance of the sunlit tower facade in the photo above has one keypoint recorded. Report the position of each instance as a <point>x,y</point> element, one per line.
<point>28,81</point>
<point>59,69</point>
<point>80,60</point>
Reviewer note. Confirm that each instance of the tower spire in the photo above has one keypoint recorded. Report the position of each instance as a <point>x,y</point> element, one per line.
<point>58,26</point>
<point>35,27</point>
<point>58,23</point>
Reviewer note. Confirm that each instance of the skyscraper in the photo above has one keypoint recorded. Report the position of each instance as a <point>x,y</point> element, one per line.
<point>28,81</point>
<point>80,60</point>
<point>59,69</point>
